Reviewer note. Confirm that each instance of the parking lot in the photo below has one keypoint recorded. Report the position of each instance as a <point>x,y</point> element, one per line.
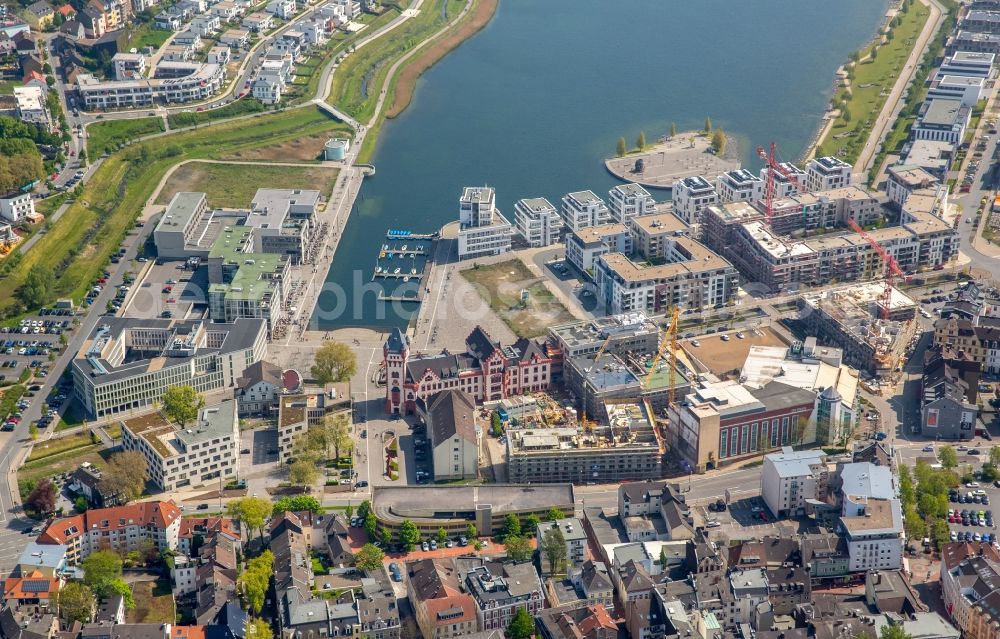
<point>744,518</point>
<point>170,289</point>
<point>970,514</point>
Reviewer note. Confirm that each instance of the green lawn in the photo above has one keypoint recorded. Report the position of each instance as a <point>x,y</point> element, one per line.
<point>146,36</point>
<point>7,88</point>
<point>243,106</point>
<point>80,244</point>
<point>108,136</point>
<point>58,446</point>
<point>153,603</point>
<point>870,84</point>
<point>233,185</point>
<point>359,79</point>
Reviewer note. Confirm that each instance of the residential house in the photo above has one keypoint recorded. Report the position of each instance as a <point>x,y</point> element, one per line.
<point>454,436</point>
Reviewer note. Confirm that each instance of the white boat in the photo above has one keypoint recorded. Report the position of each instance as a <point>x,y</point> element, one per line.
<point>385,247</point>
<point>378,269</point>
<point>413,271</point>
<point>396,272</point>
<point>403,248</point>
<point>406,278</point>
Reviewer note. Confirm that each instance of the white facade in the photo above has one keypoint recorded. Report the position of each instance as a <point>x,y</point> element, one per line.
<point>482,229</point>
<point>283,9</point>
<point>827,173</point>
<point>739,185</point>
<point>626,201</point>
<point>537,221</point>
<point>31,105</point>
<point>789,478</point>
<point>129,66</point>
<point>16,208</point>
<point>204,81</point>
<point>584,209</point>
<point>966,89</point>
<point>586,245</point>
<point>977,65</point>
<point>690,196</point>
<point>206,25</point>
<point>790,180</point>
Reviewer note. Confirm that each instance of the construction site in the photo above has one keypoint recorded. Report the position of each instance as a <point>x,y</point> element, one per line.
<point>873,323</point>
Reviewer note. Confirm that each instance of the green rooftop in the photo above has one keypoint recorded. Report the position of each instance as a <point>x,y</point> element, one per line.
<point>253,270</point>
<point>661,378</point>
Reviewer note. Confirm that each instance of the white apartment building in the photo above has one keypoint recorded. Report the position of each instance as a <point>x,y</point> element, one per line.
<point>827,173</point>
<point>626,201</point>
<point>127,363</point>
<point>537,221</point>
<point>482,229</point>
<point>200,82</point>
<point>583,209</point>
<point>283,9</point>
<point>16,208</point>
<point>690,196</point>
<point>968,63</point>
<point>790,180</point>
<point>904,179</point>
<point>739,185</point>
<point>586,245</point>
<point>206,24</point>
<point>268,90</point>
<point>788,478</point>
<point>129,66</point>
<point>205,452</point>
<point>875,538</point>
<point>31,106</point>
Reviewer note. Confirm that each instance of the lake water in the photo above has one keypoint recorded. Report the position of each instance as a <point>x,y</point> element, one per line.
<point>534,102</point>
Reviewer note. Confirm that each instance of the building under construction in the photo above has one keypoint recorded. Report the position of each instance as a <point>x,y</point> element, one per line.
<point>855,318</point>
<point>628,445</point>
<point>628,376</point>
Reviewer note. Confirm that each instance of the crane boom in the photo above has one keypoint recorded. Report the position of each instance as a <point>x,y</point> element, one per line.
<point>892,269</point>
<point>774,168</point>
<point>669,341</point>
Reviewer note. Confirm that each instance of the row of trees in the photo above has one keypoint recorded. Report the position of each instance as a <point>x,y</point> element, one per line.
<point>314,446</point>
<point>254,580</point>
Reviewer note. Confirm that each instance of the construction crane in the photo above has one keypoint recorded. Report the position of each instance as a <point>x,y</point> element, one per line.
<point>600,351</point>
<point>774,168</point>
<point>669,341</point>
<point>892,269</point>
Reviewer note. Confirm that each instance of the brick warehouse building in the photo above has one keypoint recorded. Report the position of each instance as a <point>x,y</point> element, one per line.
<point>487,370</point>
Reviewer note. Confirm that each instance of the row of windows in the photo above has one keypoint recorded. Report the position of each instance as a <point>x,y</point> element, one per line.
<point>746,438</point>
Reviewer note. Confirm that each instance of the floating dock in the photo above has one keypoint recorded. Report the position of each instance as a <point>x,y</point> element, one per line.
<point>397,234</point>
<point>382,297</point>
<point>398,276</point>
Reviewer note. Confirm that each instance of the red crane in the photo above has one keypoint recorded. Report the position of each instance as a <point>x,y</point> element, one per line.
<point>892,269</point>
<point>774,167</point>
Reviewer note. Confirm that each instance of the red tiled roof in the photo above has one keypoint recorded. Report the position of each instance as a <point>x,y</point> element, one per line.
<point>598,618</point>
<point>209,524</point>
<point>187,632</point>
<point>66,10</point>
<point>33,586</point>
<point>146,513</point>
<point>463,602</point>
<point>33,75</point>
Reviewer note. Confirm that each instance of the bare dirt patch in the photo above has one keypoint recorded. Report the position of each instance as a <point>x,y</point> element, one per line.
<point>305,148</point>
<point>519,298</point>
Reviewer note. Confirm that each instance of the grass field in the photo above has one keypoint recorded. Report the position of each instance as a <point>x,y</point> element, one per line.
<point>869,87</point>
<point>501,285</point>
<point>80,244</point>
<point>146,36</point>
<point>154,603</point>
<point>358,80</point>
<point>108,136</point>
<point>31,472</point>
<point>243,106</point>
<point>7,88</point>
<point>57,446</point>
<point>233,185</point>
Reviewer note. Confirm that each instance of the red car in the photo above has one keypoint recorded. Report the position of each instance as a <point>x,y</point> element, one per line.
<point>171,300</point>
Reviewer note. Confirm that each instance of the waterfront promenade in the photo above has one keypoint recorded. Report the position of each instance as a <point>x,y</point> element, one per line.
<point>685,155</point>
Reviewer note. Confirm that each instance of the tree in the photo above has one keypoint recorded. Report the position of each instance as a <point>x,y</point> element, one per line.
<point>442,535</point>
<point>640,142</point>
<point>995,455</point>
<point>37,287</point>
<point>673,129</point>
<point>511,527</point>
<point>182,403</point>
<point>33,431</point>
<point>119,587</point>
<point>522,626</point>
<point>43,498</point>
<point>408,534</point>
<point>621,147</point>
<point>303,472</point>
<point>496,424</point>
<point>80,504</point>
<point>149,554</point>
<point>349,511</point>
<point>254,580</point>
<point>719,144</point>
<point>338,434</point>
<point>258,628</point>
<point>663,557</point>
<point>334,362</point>
<point>297,504</point>
<point>470,531</point>
<point>555,514</point>
<point>251,511</point>
<point>125,475</point>
<point>948,457</point>
<point>75,602</point>
<point>553,545</point>
<point>845,114</point>
<point>100,570</point>
<point>894,631</point>
<point>384,536</point>
<point>371,525</point>
<point>940,533</point>
<point>708,125</point>
<point>518,548</point>
<point>530,526</point>
<point>369,558</point>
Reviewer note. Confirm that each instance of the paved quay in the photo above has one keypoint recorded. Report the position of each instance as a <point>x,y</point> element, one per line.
<point>684,155</point>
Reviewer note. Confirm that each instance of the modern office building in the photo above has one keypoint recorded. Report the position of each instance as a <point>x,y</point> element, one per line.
<point>538,222</point>
<point>942,120</point>
<point>968,63</point>
<point>482,229</point>
<point>690,195</point>
<point>981,21</point>
<point>974,42</point>
<point>628,333</point>
<point>967,90</point>
<point>626,201</point>
<point>583,209</point>
<point>244,284</point>
<point>127,364</point>
<point>299,412</point>
<point>204,453</point>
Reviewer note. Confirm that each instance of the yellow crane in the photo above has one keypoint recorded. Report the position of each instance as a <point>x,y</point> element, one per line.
<point>600,351</point>
<point>669,341</point>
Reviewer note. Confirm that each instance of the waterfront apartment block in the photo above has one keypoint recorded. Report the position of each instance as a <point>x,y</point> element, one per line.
<point>739,185</point>
<point>981,21</point>
<point>127,364</point>
<point>198,82</point>
<point>968,63</point>
<point>826,173</point>
<point>626,201</point>
<point>625,446</point>
<point>790,180</point>
<point>905,179</point>
<point>693,277</point>
<point>583,209</point>
<point>587,244</point>
<point>203,453</point>
<point>966,89</point>
<point>651,234</point>
<point>245,284</point>
<point>482,229</point>
<point>537,221</point>
<point>974,42</point>
<point>942,120</point>
<point>690,195</point>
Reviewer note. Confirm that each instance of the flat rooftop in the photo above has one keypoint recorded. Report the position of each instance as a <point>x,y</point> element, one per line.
<point>942,113</point>
<point>180,211</point>
<point>601,328</point>
<point>584,198</point>
<point>537,205</point>
<point>477,195</point>
<point>659,223</point>
<point>420,503</point>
